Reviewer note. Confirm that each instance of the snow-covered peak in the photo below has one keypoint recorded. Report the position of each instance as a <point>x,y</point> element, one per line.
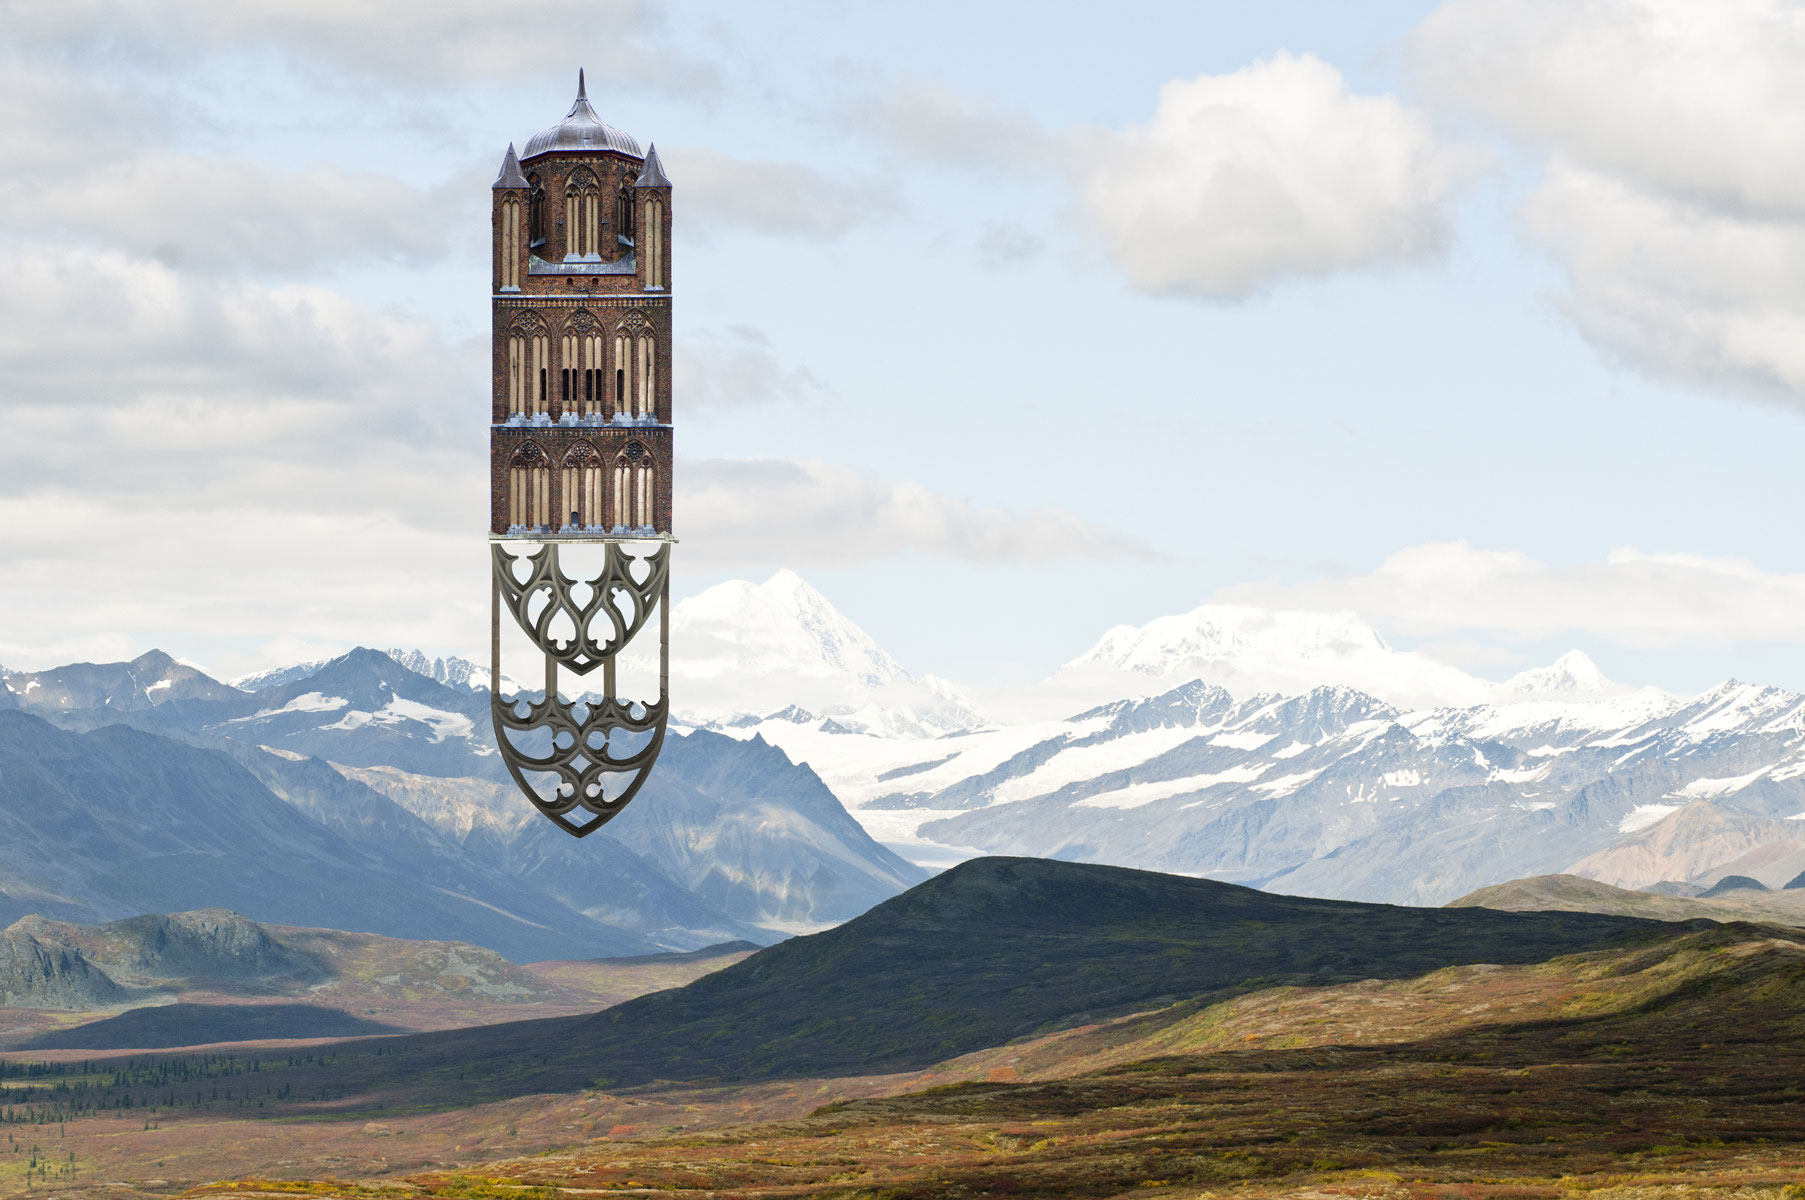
<point>757,648</point>
<point>1572,676</point>
<point>1248,649</point>
<point>781,626</point>
<point>1224,632</point>
<point>277,676</point>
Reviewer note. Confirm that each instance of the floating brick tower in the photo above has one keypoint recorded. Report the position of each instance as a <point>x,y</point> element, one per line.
<point>580,453</point>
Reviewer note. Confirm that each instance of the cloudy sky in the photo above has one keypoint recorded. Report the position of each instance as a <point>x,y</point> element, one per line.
<point>1000,323</point>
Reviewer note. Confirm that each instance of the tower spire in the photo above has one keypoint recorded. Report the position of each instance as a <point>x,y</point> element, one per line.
<point>581,94</point>
<point>510,176</point>
<point>652,174</point>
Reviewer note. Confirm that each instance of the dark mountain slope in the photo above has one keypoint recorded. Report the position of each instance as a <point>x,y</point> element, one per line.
<point>201,1024</point>
<point>999,948</point>
<point>119,821</point>
<point>992,950</point>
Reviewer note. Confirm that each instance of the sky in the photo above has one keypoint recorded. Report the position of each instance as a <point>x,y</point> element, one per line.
<point>1002,324</point>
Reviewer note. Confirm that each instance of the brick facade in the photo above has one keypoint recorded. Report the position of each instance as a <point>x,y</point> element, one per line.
<point>616,294</point>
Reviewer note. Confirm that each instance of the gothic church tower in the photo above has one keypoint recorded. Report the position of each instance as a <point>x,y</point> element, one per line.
<point>580,431</point>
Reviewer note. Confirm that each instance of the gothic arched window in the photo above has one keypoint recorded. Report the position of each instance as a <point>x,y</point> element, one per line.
<point>645,362</point>
<point>635,489</point>
<point>529,365</point>
<point>582,216</point>
<point>529,488</point>
<point>583,486</point>
<point>651,243</point>
<point>535,213</point>
<point>510,244</point>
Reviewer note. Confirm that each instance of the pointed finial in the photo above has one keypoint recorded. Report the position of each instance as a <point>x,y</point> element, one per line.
<point>652,174</point>
<point>510,176</point>
<point>581,94</point>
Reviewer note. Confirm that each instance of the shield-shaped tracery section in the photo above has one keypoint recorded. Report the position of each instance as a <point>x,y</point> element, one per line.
<point>580,756</point>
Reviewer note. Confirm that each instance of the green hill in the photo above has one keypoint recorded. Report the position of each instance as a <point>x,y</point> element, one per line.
<point>1002,948</point>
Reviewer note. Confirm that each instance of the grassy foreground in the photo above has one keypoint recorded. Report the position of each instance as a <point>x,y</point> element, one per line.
<point>1666,1070</point>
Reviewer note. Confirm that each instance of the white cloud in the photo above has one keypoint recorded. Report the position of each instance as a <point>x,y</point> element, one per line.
<point>1673,193</point>
<point>1690,291</point>
<point>227,217</point>
<point>1272,171</point>
<point>410,42</point>
<point>719,192</point>
<point>1630,597</point>
<point>931,121</point>
<point>1700,99</point>
<point>803,512</point>
<point>738,367</point>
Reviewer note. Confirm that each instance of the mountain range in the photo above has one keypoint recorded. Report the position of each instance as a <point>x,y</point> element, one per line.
<point>361,795</point>
<point>789,818</point>
<point>1334,791</point>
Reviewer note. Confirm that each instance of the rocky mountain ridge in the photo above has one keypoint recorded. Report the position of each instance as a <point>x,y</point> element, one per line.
<point>1333,792</point>
<point>254,801</point>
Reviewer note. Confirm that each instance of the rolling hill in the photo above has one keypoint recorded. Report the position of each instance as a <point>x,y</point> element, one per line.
<point>1574,893</point>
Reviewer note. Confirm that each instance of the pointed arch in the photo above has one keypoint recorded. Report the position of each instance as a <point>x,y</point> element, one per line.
<point>583,366</point>
<point>509,249</point>
<point>529,488</point>
<point>535,212</point>
<point>623,214</point>
<point>526,344</point>
<point>530,365</point>
<point>582,483</point>
<point>582,215</point>
<point>652,242</point>
<point>635,487</point>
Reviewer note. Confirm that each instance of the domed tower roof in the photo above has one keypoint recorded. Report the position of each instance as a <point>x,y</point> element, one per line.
<point>581,129</point>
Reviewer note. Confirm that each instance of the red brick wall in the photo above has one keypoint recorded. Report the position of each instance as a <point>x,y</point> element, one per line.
<point>555,299</point>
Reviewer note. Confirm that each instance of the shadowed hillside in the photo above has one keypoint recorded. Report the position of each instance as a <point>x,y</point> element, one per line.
<point>993,950</point>
<point>1001,948</point>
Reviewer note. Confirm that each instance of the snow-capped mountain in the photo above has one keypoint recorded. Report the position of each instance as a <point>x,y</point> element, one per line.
<point>364,769</point>
<point>449,670</point>
<point>151,679</point>
<point>1332,792</point>
<point>1572,676</point>
<point>743,648</point>
<point>1251,650</point>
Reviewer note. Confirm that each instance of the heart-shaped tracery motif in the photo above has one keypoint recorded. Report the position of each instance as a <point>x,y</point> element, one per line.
<point>594,629</point>
<point>594,753</point>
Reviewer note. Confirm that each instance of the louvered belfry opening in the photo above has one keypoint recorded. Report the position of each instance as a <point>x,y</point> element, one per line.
<point>581,460</point>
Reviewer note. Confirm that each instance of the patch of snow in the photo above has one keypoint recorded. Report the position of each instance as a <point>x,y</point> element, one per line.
<point>1137,794</point>
<point>1245,740</point>
<point>1286,785</point>
<point>1291,751</point>
<point>444,724</point>
<point>1089,762</point>
<point>1404,778</point>
<point>159,685</point>
<point>306,702</point>
<point>1644,815</point>
<point>1700,788</point>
